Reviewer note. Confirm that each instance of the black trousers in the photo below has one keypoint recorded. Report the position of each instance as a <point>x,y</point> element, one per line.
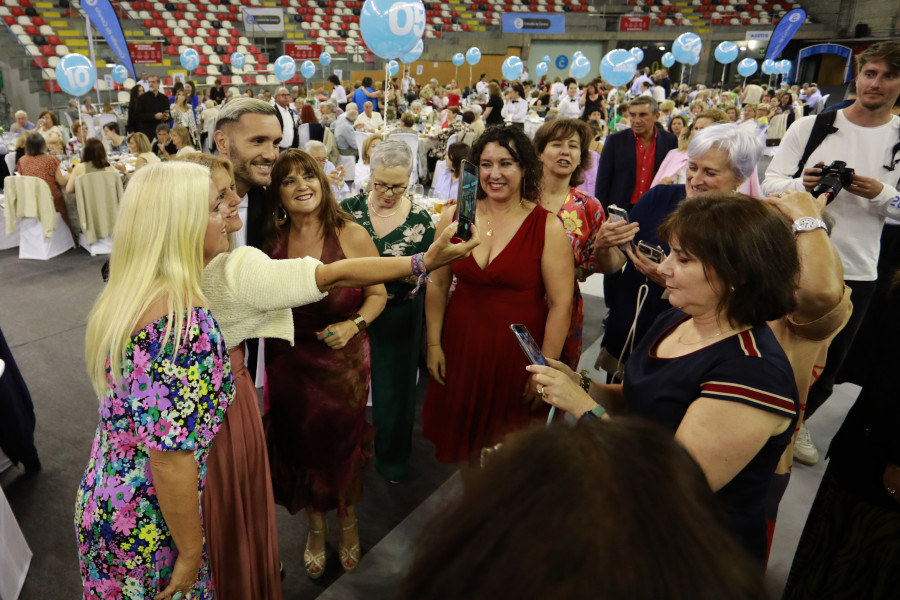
<point>840,346</point>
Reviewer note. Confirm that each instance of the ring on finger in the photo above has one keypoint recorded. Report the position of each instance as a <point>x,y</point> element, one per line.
<point>541,391</point>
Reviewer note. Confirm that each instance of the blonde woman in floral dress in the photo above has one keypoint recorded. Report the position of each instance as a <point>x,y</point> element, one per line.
<point>563,146</point>
<point>399,228</point>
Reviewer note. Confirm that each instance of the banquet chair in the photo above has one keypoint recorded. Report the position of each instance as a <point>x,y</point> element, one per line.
<point>102,120</point>
<point>14,549</point>
<point>303,133</point>
<point>360,137</point>
<point>42,232</point>
<point>11,240</point>
<point>349,164</point>
<point>97,196</point>
<point>10,159</point>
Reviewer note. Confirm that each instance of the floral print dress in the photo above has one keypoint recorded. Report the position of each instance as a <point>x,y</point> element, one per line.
<point>165,403</point>
<point>581,216</point>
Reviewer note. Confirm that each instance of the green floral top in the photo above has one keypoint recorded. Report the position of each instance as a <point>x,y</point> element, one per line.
<point>414,235</point>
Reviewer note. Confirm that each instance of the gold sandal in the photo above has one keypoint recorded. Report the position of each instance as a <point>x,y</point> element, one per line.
<point>350,554</point>
<point>310,559</point>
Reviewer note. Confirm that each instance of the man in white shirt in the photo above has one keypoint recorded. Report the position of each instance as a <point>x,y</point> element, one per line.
<point>641,78</point>
<point>143,81</point>
<point>369,120</point>
<point>407,83</point>
<point>482,86</point>
<point>569,108</point>
<point>865,135</point>
<point>334,174</point>
<point>289,136</point>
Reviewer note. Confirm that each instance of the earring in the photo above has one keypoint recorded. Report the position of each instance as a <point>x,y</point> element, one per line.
<point>281,216</point>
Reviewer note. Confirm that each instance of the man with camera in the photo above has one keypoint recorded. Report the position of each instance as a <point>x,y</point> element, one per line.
<point>852,155</point>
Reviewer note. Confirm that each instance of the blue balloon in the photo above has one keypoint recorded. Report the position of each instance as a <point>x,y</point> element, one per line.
<point>458,59</point>
<point>393,68</point>
<point>784,67</point>
<point>307,68</point>
<point>541,69</point>
<point>577,54</point>
<point>473,55</point>
<point>512,68</point>
<point>668,59</point>
<point>686,48</point>
<point>190,59</point>
<point>391,28</point>
<point>546,59</point>
<point>727,52</point>
<point>580,68</point>
<point>324,59</point>
<point>414,54</point>
<point>119,73</point>
<point>769,67</point>
<point>747,67</point>
<point>618,67</point>
<point>238,60</point>
<point>638,54</point>
<point>75,74</point>
<point>284,68</point>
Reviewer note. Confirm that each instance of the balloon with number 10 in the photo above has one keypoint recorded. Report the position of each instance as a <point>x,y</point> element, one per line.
<point>75,74</point>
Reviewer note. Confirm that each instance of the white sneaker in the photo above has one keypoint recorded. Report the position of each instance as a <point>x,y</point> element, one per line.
<point>804,449</point>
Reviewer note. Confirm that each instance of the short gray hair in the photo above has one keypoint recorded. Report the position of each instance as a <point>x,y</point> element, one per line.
<point>391,153</point>
<point>415,103</point>
<point>742,147</point>
<point>654,107</point>
<point>237,108</point>
<point>475,108</point>
<point>314,145</point>
<point>351,115</point>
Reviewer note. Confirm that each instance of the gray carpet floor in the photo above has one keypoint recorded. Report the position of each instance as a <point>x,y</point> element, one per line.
<point>43,311</point>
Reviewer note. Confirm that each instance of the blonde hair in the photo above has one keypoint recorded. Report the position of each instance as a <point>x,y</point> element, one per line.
<point>157,254</point>
<point>184,134</point>
<point>214,162</point>
<point>140,142</point>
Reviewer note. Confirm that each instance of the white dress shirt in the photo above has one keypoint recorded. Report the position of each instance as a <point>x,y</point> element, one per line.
<point>367,123</point>
<point>515,111</point>
<point>569,108</point>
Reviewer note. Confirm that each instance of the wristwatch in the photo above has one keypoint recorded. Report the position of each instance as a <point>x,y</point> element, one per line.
<point>804,224</point>
<point>359,322</point>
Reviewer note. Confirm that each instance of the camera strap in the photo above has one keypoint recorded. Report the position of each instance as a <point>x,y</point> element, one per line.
<point>823,126</point>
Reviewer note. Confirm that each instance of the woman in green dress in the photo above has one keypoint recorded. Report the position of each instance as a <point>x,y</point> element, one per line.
<point>399,228</point>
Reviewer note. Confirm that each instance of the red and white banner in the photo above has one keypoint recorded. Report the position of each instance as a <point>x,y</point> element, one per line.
<point>634,23</point>
<point>303,51</point>
<point>146,52</point>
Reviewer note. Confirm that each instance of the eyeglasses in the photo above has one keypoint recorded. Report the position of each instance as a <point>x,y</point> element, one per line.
<point>389,189</point>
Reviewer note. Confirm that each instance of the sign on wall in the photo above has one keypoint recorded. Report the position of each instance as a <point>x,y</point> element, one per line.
<point>533,23</point>
<point>303,51</point>
<point>263,22</point>
<point>146,53</point>
<point>634,23</point>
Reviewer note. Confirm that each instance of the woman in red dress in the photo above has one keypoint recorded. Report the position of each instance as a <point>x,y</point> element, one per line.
<point>523,272</point>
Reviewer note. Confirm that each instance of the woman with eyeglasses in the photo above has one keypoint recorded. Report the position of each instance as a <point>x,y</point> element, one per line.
<point>398,228</point>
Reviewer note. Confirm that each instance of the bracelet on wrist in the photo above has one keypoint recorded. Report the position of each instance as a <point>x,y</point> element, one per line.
<point>419,271</point>
<point>584,381</point>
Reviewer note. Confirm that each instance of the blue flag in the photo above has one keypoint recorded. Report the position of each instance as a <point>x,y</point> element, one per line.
<point>104,18</point>
<point>784,31</point>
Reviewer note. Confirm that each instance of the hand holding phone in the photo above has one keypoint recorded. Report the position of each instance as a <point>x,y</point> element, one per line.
<point>468,190</point>
<point>617,214</point>
<point>533,353</point>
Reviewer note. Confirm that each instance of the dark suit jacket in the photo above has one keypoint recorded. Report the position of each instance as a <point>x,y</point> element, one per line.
<point>256,199</point>
<point>618,166</point>
<point>296,141</point>
<point>146,106</point>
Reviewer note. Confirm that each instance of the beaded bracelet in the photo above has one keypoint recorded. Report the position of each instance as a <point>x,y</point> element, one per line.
<point>419,271</point>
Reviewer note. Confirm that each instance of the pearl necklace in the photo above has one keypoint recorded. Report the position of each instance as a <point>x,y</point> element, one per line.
<point>378,214</point>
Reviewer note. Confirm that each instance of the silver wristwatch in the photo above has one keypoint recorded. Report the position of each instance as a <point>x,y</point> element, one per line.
<point>804,224</point>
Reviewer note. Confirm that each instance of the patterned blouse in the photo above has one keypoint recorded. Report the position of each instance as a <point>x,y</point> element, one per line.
<point>413,236</point>
<point>581,216</point>
<point>165,403</point>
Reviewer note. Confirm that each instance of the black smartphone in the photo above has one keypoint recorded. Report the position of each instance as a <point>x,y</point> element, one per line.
<point>533,352</point>
<point>528,345</point>
<point>652,252</point>
<point>468,189</point>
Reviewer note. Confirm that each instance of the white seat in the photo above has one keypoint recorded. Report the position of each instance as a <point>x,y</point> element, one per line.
<point>10,159</point>
<point>10,240</point>
<point>349,164</point>
<point>34,246</point>
<point>303,134</point>
<point>14,548</point>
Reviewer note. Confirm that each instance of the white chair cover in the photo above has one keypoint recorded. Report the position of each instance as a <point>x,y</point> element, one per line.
<point>33,245</point>
<point>10,159</point>
<point>15,552</point>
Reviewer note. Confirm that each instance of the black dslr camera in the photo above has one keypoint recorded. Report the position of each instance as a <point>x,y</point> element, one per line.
<point>835,177</point>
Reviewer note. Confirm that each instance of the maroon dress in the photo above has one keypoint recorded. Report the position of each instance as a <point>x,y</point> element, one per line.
<point>481,399</point>
<point>316,429</point>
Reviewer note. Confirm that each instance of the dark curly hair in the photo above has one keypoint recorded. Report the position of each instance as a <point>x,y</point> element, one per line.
<point>563,129</point>
<point>748,245</point>
<point>522,151</point>
<point>330,214</point>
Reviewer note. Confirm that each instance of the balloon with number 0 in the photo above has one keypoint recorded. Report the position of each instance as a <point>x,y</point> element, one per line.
<point>391,28</point>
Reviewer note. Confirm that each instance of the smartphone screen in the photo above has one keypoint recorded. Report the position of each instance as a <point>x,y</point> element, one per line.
<point>617,214</point>
<point>468,188</point>
<point>533,352</point>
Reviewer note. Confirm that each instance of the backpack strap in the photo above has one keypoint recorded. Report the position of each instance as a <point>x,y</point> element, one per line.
<point>822,127</point>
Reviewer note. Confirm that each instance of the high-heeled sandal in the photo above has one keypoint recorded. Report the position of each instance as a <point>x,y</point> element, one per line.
<point>310,559</point>
<point>350,554</point>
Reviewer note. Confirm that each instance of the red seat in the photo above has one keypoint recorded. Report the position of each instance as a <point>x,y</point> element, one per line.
<point>233,40</point>
<point>178,15</point>
<point>201,70</point>
<point>17,11</point>
<point>148,23</point>
<point>48,50</point>
<point>181,6</point>
<point>226,59</point>
<point>234,9</point>
<point>39,21</point>
<point>210,40</point>
<point>204,60</point>
<point>54,40</point>
<point>32,30</point>
<point>40,62</point>
<point>229,50</point>
<point>167,32</point>
<point>156,16</point>
<point>195,23</point>
<point>174,41</point>
<point>253,49</point>
<point>52,86</point>
<point>168,82</point>
<point>10,20</point>
<point>171,50</point>
<point>248,80</point>
<point>25,3</point>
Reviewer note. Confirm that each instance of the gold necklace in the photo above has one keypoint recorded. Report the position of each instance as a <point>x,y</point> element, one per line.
<point>703,339</point>
<point>378,214</point>
<point>490,230</point>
